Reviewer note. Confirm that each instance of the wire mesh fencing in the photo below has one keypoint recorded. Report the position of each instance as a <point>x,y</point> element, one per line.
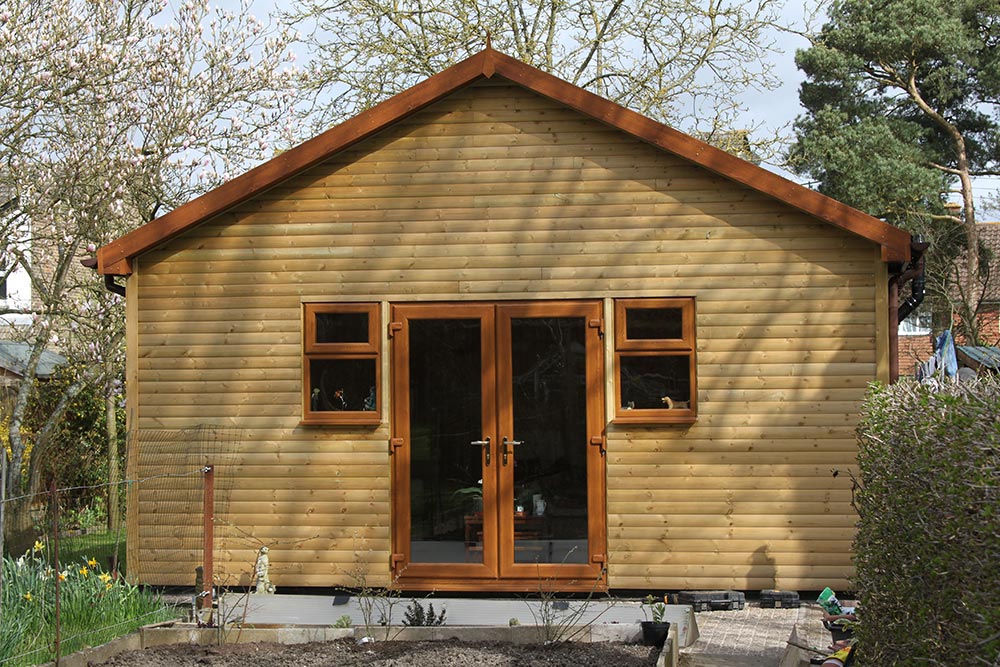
<point>73,578</point>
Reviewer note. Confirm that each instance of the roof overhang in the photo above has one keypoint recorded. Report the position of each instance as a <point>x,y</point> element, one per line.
<point>116,257</point>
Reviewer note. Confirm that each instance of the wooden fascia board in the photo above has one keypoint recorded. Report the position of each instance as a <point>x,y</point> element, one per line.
<point>115,258</point>
<point>894,241</point>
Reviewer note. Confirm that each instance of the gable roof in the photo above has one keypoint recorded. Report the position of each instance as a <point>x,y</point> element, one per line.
<point>116,257</point>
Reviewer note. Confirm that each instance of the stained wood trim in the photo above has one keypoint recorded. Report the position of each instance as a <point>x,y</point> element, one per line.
<point>116,257</point>
<point>885,324</point>
<point>401,509</point>
<point>367,351</point>
<point>685,346</point>
<point>591,571</point>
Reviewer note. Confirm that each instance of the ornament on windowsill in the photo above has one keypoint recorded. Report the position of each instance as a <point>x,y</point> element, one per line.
<point>339,400</point>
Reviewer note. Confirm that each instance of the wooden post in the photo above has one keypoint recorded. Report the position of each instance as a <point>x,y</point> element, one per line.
<point>54,500</point>
<point>209,546</point>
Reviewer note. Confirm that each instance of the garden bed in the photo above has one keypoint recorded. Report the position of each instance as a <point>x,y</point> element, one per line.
<point>348,653</point>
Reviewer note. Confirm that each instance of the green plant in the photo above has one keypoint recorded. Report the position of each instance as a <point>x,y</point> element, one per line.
<point>928,500</point>
<point>656,609</point>
<point>343,622</point>
<point>415,615</point>
<point>375,602</point>
<point>560,620</point>
<point>89,516</point>
<point>469,497</point>
<point>95,607</point>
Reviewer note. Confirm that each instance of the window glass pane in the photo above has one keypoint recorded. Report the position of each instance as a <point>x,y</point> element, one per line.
<point>648,381</point>
<point>549,364</point>
<point>340,385</point>
<point>446,470</point>
<point>341,327</point>
<point>916,324</point>
<point>654,323</point>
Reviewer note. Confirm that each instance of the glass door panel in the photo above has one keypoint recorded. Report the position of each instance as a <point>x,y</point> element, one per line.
<point>548,358</point>
<point>495,474</point>
<point>446,473</point>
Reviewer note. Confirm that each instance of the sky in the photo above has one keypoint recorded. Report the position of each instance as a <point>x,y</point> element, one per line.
<point>771,110</point>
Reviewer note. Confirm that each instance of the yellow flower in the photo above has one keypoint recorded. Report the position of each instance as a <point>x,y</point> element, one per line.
<point>27,596</point>
<point>92,562</point>
<point>105,577</point>
<point>62,576</point>
<point>84,571</point>
<point>38,546</point>
<point>107,586</point>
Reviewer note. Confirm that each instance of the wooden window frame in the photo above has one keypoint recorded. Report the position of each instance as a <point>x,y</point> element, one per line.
<point>685,346</point>
<point>315,351</point>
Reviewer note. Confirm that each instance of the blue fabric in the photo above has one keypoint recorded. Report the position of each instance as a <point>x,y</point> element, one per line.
<point>944,350</point>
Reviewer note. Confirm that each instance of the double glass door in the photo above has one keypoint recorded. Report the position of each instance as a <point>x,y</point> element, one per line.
<point>498,468</point>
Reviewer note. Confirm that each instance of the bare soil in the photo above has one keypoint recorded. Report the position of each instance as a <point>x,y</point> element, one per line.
<point>346,653</point>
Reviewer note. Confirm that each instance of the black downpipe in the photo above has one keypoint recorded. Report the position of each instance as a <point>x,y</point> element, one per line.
<point>112,286</point>
<point>917,289</point>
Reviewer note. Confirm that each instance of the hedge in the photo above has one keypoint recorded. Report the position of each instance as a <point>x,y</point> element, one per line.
<point>928,544</point>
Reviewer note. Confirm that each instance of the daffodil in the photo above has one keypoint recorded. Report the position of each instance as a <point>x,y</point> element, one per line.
<point>105,577</point>
<point>63,575</point>
<point>84,571</point>
<point>38,546</point>
<point>92,562</point>
<point>107,586</point>
<point>27,596</point>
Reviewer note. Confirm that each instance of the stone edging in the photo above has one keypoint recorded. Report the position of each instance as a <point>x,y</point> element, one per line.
<point>188,633</point>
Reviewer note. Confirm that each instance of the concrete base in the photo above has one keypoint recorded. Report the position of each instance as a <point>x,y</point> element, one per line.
<point>601,615</point>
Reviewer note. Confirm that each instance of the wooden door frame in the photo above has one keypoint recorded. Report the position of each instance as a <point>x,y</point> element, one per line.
<point>401,314</point>
<point>593,571</point>
<point>492,574</point>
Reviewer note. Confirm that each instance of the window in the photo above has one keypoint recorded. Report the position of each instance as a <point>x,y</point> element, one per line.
<point>341,365</point>
<point>917,324</point>
<point>655,361</point>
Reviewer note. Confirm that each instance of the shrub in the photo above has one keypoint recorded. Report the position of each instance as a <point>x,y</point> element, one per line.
<point>929,533</point>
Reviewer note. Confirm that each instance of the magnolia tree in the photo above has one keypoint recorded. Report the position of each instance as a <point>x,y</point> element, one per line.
<point>111,113</point>
<point>680,61</point>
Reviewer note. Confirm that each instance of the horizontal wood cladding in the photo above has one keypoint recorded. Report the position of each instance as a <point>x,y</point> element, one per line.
<point>497,194</point>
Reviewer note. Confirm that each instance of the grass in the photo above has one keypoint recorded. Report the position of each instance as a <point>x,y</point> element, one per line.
<point>95,607</point>
<point>94,545</point>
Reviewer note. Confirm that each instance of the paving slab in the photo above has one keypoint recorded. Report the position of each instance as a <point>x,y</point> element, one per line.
<point>752,636</point>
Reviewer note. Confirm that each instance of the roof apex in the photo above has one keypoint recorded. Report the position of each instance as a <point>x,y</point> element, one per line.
<point>116,257</point>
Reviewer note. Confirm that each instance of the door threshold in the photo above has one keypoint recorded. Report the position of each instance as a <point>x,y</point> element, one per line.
<point>506,585</point>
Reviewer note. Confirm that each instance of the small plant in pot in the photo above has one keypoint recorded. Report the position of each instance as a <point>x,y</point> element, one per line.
<point>654,632</point>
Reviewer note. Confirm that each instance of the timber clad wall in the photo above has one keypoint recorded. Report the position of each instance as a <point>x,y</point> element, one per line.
<point>496,193</point>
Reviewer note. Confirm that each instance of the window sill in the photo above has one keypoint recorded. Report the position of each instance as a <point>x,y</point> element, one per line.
<point>656,417</point>
<point>372,419</point>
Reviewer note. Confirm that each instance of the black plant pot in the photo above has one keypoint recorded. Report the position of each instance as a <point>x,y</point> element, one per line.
<point>654,633</point>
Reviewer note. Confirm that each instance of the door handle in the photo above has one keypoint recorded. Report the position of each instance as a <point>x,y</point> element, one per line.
<point>508,447</point>
<point>485,444</point>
